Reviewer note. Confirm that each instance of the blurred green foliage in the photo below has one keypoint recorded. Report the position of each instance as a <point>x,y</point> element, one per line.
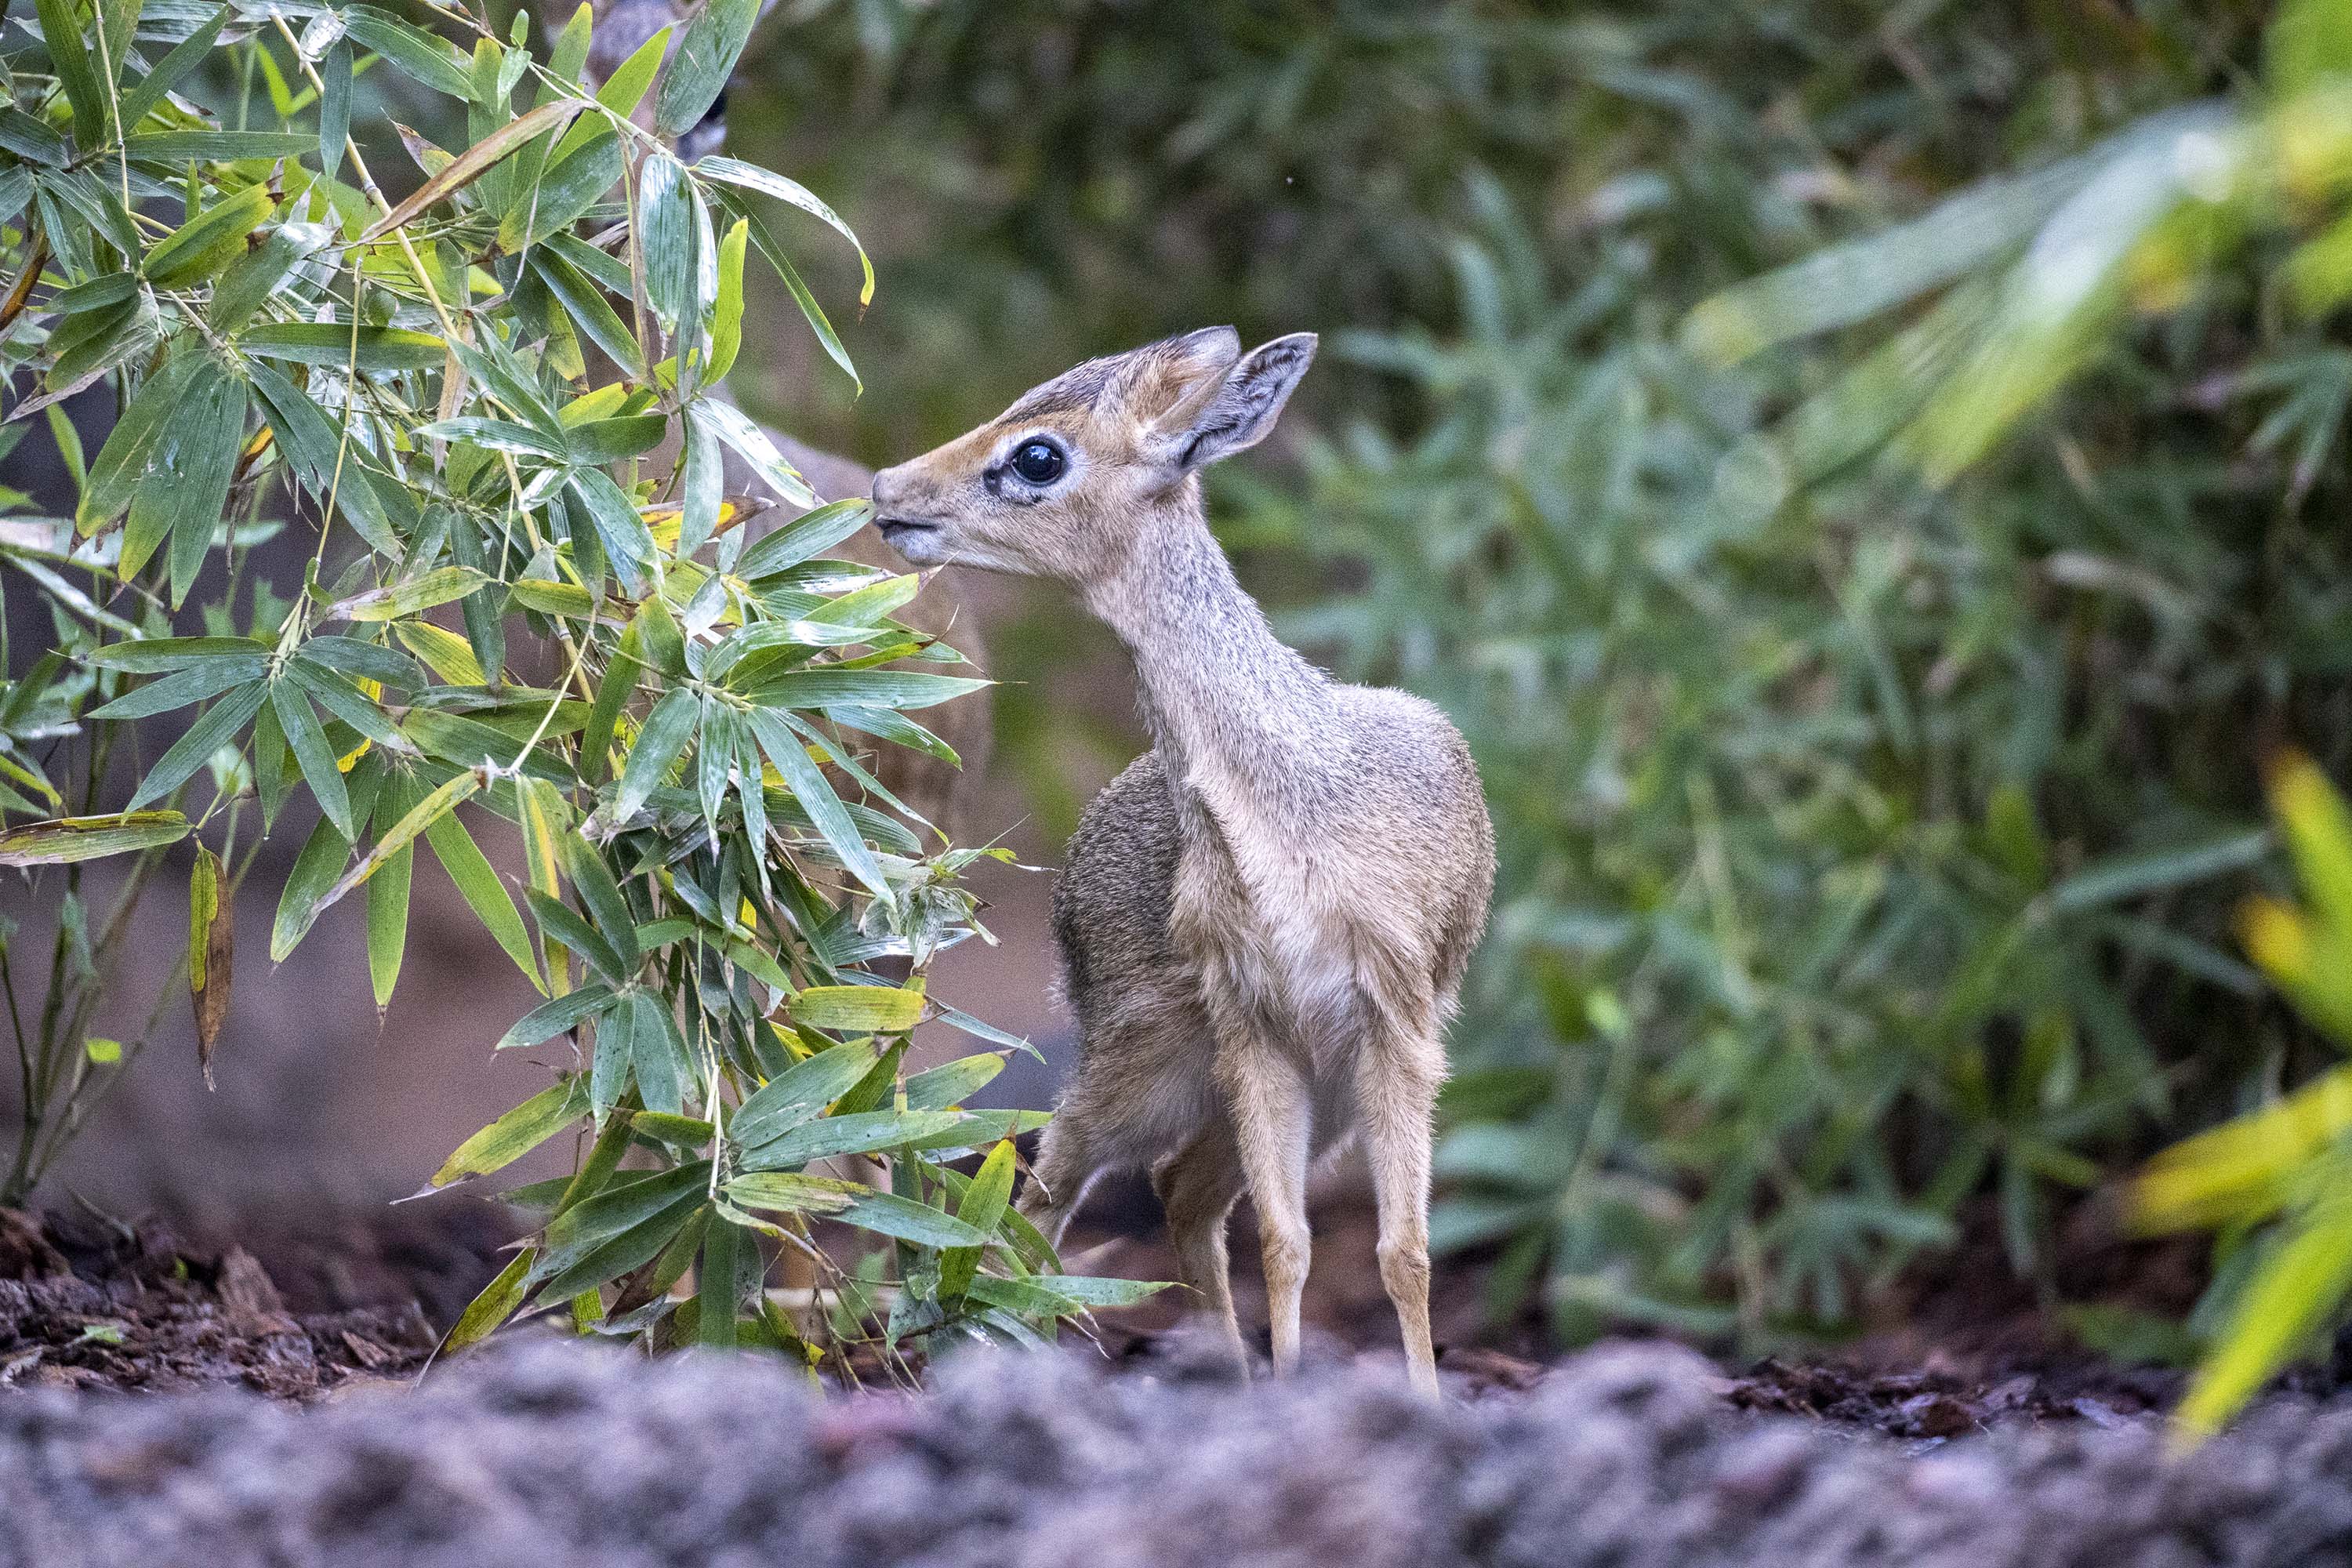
<point>1869,672</point>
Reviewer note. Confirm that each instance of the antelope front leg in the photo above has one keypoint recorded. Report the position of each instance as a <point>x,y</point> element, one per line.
<point>1396,1095</point>
<point>1273,1117</point>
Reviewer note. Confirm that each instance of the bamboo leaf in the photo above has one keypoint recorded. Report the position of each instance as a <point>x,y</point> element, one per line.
<point>69,840</point>
<point>312,755</point>
<point>394,601</point>
<point>706,57</point>
<point>183,57</point>
<point>659,741</point>
<point>750,177</point>
<point>815,797</point>
<point>333,344</point>
<point>388,869</point>
<point>858,1009</point>
<point>802,1090</point>
<point>470,164</point>
<point>862,1132</point>
<point>469,870</point>
<point>429,60</point>
<point>515,1134</point>
<point>395,844</point>
<point>214,730</point>
<point>982,1208</point>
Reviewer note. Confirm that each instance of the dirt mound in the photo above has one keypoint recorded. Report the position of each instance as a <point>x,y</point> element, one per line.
<point>89,1303</point>
<point>1625,1456</point>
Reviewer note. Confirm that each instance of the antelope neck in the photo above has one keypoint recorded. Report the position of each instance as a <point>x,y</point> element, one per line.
<point>1221,693</point>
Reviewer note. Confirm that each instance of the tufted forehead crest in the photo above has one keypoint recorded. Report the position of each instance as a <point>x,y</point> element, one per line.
<point>1152,374</point>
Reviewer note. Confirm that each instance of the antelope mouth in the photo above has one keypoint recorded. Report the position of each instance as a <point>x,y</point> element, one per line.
<point>917,543</point>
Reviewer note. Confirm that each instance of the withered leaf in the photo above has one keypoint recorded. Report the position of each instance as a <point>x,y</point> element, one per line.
<point>212,944</point>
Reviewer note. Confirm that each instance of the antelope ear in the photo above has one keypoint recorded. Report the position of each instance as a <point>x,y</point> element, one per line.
<point>1235,413</point>
<point>1161,379</point>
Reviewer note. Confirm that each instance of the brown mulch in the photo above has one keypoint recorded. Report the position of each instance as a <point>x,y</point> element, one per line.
<point>88,1302</point>
<point>301,1305</point>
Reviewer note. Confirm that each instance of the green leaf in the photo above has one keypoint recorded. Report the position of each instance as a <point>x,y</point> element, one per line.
<point>394,601</point>
<point>419,55</point>
<point>859,688</point>
<point>193,750</point>
<point>752,443</point>
<point>478,885</point>
<point>666,232</point>
<point>195,248</point>
<point>473,163</point>
<point>313,755</point>
<point>496,1303</point>
<point>803,538</point>
<point>445,653</point>
<point>339,698</point>
<point>178,689</point>
<point>553,1017</point>
<point>659,741</point>
<point>600,896</point>
<point>315,871</point>
<point>627,543</point>
<point>623,1206</point>
<point>515,1134</point>
<point>129,463</point>
<point>2129,877</point>
<point>951,1083</point>
<point>750,177</point>
<point>76,73</point>
<point>590,313</point>
<point>801,1091</point>
<point>334,345</point>
<point>706,58</point>
<point>599,441</point>
<point>199,449</point>
<point>858,1009</point>
<point>862,1132</point>
<point>907,1220</point>
<point>326,654</point>
<point>32,139</point>
<point>726,314</point>
<point>69,840</point>
<point>217,147</point>
<point>247,283</point>
<point>394,848</point>
<point>149,655</point>
<point>982,1208</point>
<point>172,67</point>
<point>574,183</point>
<point>815,797</point>
<point>559,922</point>
<point>609,1259</point>
<point>334,106</point>
<point>2296,1290</point>
<point>388,871</point>
<point>790,1192</point>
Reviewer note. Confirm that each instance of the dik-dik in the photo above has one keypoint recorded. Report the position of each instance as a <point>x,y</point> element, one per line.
<point>1265,917</point>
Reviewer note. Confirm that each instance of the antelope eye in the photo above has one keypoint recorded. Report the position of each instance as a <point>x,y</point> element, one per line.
<point>1038,462</point>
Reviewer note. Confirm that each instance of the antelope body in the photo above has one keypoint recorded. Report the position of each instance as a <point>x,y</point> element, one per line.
<point>1265,919</point>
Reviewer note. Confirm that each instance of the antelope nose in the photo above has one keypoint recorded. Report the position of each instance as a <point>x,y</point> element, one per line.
<point>888,484</point>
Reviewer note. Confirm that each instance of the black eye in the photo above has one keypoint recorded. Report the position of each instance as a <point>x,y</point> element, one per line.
<point>1038,462</point>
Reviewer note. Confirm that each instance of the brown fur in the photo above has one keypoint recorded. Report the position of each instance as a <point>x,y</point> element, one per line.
<point>1265,919</point>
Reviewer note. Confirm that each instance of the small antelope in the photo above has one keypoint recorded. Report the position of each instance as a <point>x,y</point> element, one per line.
<point>1267,917</point>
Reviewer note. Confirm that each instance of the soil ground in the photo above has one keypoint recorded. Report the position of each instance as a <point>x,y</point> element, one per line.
<point>176,1402</point>
<point>300,1305</point>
